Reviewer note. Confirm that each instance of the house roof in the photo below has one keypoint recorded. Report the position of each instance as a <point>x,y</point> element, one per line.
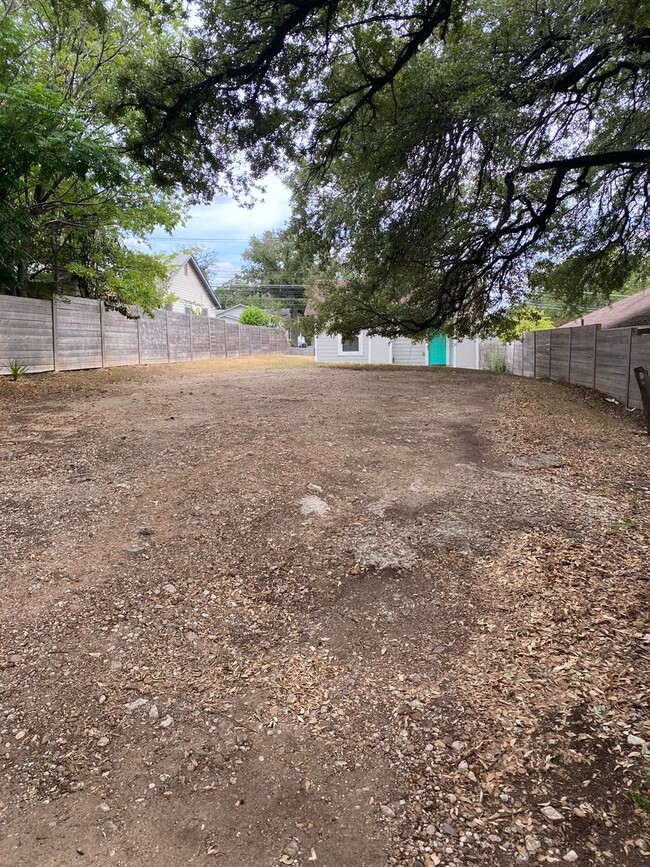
<point>183,259</point>
<point>624,313</point>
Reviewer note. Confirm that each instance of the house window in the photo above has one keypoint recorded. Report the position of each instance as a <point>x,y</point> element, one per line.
<point>351,345</point>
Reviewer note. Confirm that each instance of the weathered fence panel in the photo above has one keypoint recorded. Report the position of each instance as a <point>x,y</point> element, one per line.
<point>77,334</point>
<point>245,339</point>
<point>613,362</point>
<point>543,350</point>
<point>583,343</point>
<point>529,354</point>
<point>603,359</point>
<point>178,336</point>
<point>200,335</point>
<point>217,337</point>
<point>153,339</point>
<point>26,335</point>
<point>120,339</point>
<point>639,357</point>
<point>72,333</point>
<point>560,351</point>
<point>232,340</point>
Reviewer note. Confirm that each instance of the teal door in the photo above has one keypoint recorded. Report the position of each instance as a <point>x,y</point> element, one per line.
<point>438,349</point>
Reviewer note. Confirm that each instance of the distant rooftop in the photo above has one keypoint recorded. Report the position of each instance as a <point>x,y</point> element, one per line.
<point>624,313</point>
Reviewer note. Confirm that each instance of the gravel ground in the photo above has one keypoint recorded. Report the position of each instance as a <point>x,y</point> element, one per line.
<point>265,613</point>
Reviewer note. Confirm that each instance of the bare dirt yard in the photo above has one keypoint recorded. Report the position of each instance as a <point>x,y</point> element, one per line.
<point>268,613</point>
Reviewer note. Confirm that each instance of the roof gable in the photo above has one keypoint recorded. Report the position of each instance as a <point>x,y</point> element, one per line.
<point>181,261</point>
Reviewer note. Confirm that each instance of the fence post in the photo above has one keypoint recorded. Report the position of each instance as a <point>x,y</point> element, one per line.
<point>55,341</point>
<point>239,338</point>
<point>137,331</point>
<point>629,365</point>
<point>101,331</point>
<point>225,338</point>
<point>534,355</point>
<point>191,341</point>
<point>209,338</point>
<point>570,353</point>
<point>167,334</point>
<point>595,355</point>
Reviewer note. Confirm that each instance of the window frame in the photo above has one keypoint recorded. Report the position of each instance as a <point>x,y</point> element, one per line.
<point>346,353</point>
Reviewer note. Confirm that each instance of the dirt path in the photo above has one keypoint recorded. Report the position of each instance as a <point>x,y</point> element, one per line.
<point>308,615</point>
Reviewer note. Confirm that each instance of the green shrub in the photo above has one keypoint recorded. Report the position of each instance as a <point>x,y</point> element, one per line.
<point>255,316</point>
<point>16,370</point>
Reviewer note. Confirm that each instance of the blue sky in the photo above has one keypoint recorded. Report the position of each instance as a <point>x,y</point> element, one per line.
<point>226,226</point>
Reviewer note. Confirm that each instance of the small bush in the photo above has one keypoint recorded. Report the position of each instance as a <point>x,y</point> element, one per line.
<point>497,362</point>
<point>16,370</point>
<point>255,316</point>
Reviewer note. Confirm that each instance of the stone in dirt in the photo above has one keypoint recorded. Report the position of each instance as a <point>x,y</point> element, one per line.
<point>532,844</point>
<point>387,811</point>
<point>313,505</point>
<point>552,814</point>
<point>165,724</point>
<point>103,742</point>
<point>315,489</point>
<point>449,830</point>
<point>136,703</point>
<point>571,856</point>
<point>635,741</point>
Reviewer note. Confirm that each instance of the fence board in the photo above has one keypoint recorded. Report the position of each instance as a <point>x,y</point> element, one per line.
<point>232,340</point>
<point>560,345</point>
<point>217,337</point>
<point>120,339</point>
<point>528,363</point>
<point>78,333</point>
<point>29,342</point>
<point>639,357</point>
<point>200,336</point>
<point>612,359</point>
<point>153,339</point>
<point>543,354</point>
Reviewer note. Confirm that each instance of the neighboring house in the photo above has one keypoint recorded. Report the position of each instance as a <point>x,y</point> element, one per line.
<point>628,312</point>
<point>363,349</point>
<point>192,291</point>
<point>232,314</point>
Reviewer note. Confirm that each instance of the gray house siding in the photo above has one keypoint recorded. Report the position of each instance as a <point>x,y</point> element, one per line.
<point>327,349</point>
<point>406,351</point>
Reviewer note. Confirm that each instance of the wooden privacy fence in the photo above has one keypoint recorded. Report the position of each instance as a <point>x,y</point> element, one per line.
<point>75,333</point>
<point>600,358</point>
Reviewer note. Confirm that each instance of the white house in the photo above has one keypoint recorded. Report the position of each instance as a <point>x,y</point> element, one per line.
<point>363,349</point>
<point>232,314</point>
<point>192,291</point>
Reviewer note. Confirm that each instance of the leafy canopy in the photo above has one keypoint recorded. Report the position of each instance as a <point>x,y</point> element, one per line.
<point>448,148</point>
<point>70,199</point>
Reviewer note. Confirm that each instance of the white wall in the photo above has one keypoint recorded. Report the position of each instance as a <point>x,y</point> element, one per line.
<point>328,348</point>
<point>380,350</point>
<point>406,351</point>
<point>465,353</point>
<point>189,290</point>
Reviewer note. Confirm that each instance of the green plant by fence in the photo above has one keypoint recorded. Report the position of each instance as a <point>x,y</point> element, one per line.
<point>76,333</point>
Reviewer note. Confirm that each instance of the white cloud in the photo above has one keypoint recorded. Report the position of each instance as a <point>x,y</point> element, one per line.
<point>226,225</point>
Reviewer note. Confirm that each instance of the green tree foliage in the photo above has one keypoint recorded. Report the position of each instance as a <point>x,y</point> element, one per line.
<point>276,276</point>
<point>447,147</point>
<point>71,201</point>
<point>255,316</point>
<point>514,322</point>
